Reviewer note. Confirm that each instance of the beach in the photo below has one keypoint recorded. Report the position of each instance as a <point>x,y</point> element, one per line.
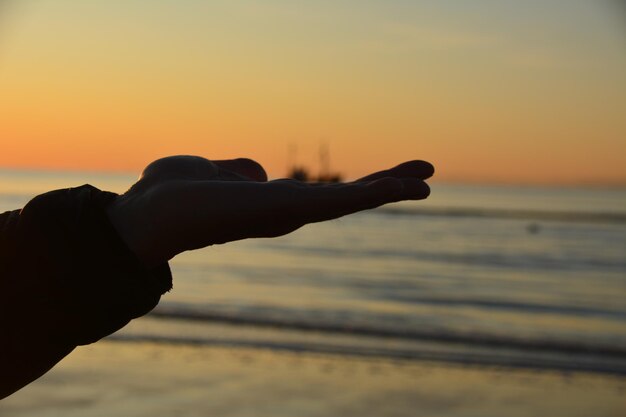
<point>480,301</point>
<point>152,380</point>
<point>492,282</point>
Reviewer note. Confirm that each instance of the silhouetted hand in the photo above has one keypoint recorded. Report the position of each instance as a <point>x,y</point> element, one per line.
<point>179,203</point>
<point>182,203</point>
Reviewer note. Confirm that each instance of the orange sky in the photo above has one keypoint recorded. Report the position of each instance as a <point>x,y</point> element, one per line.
<point>519,92</point>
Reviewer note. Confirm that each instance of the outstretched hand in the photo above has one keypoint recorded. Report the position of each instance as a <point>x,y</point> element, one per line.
<point>182,203</point>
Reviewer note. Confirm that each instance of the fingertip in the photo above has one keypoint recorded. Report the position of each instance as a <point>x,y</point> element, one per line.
<point>413,169</point>
<point>425,168</point>
<point>425,191</point>
<point>414,189</point>
<point>429,169</point>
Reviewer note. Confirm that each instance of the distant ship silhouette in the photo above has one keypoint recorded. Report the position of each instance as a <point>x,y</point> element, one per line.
<point>302,173</point>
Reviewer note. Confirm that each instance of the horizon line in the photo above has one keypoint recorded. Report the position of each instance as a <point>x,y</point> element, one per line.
<point>580,183</point>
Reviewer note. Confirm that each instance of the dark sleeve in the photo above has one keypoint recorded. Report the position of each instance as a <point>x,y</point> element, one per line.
<point>70,277</point>
<point>7,222</point>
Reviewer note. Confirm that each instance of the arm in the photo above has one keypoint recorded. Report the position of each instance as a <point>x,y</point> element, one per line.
<point>186,203</point>
<point>179,204</point>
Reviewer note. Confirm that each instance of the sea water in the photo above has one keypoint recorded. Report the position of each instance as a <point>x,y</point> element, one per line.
<point>529,277</point>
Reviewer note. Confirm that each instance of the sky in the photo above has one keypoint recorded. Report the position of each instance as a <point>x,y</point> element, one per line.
<point>497,91</point>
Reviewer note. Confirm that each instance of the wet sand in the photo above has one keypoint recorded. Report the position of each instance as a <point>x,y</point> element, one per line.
<point>143,379</point>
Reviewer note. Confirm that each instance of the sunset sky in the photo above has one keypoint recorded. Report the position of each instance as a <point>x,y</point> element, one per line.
<point>488,90</point>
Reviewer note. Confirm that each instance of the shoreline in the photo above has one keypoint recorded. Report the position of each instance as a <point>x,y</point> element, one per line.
<point>146,379</point>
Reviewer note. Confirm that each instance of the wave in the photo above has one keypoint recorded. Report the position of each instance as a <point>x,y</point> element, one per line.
<point>285,321</point>
<point>569,362</point>
<point>493,258</point>
<point>522,214</point>
<point>554,363</point>
<point>509,305</point>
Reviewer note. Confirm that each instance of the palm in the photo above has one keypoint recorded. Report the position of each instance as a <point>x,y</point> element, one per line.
<point>183,203</point>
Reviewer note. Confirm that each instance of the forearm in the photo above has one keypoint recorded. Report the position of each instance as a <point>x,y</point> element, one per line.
<point>23,361</point>
<point>67,280</point>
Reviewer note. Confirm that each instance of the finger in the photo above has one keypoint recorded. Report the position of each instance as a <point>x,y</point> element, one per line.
<point>214,211</point>
<point>279,207</point>
<point>412,169</point>
<point>241,168</point>
<point>325,203</point>
<point>413,189</point>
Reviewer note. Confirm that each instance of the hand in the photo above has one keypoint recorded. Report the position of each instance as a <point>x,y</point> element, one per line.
<point>182,203</point>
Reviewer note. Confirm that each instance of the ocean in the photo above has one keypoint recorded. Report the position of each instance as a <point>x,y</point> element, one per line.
<point>500,276</point>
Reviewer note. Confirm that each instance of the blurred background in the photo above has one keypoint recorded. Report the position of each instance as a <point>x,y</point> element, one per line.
<point>502,294</point>
<point>493,91</point>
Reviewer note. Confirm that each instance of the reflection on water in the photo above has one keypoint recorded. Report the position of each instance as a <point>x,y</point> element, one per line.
<point>461,277</point>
